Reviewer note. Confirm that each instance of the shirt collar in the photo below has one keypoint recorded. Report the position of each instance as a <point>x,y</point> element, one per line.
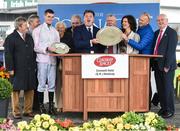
<point>89,27</point>
<point>164,29</point>
<point>46,25</point>
<point>21,34</point>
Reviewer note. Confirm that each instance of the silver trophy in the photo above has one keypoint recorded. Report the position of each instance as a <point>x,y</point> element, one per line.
<point>61,48</point>
<point>109,36</point>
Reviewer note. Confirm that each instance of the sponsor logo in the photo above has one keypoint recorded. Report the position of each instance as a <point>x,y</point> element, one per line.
<point>104,61</point>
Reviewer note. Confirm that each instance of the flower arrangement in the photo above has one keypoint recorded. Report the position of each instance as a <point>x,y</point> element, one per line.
<point>3,73</point>
<point>7,124</point>
<point>128,121</point>
<point>5,86</point>
<point>64,125</point>
<point>44,122</point>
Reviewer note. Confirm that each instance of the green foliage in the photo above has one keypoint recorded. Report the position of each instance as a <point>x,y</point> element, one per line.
<point>132,118</point>
<point>5,88</point>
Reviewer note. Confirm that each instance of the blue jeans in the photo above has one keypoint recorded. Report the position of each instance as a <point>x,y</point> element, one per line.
<point>46,73</point>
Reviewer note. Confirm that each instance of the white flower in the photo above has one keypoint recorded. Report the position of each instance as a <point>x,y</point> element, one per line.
<point>86,125</point>
<point>74,129</point>
<point>45,124</point>
<point>33,129</point>
<point>37,117</point>
<point>53,128</point>
<point>22,125</point>
<point>120,126</point>
<point>45,116</point>
<point>136,127</point>
<point>51,121</point>
<point>38,124</point>
<point>96,123</point>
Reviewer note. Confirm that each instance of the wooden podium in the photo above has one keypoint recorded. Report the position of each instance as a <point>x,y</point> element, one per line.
<point>105,95</point>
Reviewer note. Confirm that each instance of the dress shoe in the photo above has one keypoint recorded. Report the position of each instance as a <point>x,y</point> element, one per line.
<point>160,112</point>
<point>28,114</point>
<point>167,114</point>
<point>17,116</point>
<point>155,99</point>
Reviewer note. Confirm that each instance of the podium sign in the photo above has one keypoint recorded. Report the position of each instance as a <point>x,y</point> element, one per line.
<point>105,66</point>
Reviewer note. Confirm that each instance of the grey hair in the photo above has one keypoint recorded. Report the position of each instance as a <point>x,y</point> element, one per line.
<point>164,16</point>
<point>60,23</point>
<point>110,15</point>
<point>19,21</point>
<point>76,16</point>
<point>32,17</point>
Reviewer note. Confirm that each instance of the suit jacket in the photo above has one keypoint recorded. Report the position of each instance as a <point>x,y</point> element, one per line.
<point>20,57</point>
<point>167,48</point>
<point>82,38</point>
<point>68,39</point>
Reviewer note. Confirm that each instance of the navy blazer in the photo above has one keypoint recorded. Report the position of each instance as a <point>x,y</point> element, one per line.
<point>82,38</point>
<point>167,48</point>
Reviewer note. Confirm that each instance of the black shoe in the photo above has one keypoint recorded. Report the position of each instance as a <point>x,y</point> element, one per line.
<point>17,116</point>
<point>160,112</point>
<point>28,114</point>
<point>42,109</point>
<point>167,114</point>
<point>155,99</point>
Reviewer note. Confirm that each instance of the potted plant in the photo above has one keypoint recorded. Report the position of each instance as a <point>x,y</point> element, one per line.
<point>5,92</point>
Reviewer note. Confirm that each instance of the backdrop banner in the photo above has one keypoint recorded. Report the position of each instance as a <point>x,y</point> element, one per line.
<point>63,12</point>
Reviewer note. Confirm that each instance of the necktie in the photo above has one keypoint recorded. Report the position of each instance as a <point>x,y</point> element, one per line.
<point>90,33</point>
<point>110,49</point>
<point>158,42</point>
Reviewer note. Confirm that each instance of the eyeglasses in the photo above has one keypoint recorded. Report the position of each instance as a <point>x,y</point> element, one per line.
<point>75,23</point>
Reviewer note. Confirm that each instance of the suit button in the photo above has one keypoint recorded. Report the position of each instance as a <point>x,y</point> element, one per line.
<point>26,46</point>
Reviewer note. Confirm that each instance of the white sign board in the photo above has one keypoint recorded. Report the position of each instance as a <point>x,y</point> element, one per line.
<point>105,66</point>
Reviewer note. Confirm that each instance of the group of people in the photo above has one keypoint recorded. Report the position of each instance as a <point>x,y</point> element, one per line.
<point>30,65</point>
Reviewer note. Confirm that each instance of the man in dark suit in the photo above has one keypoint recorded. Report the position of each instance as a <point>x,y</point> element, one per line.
<point>20,61</point>
<point>75,21</point>
<point>84,35</point>
<point>165,42</point>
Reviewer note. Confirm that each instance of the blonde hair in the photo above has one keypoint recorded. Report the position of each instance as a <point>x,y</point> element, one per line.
<point>147,15</point>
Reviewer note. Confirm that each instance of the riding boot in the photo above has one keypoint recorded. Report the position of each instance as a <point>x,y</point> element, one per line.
<point>52,110</point>
<point>42,109</point>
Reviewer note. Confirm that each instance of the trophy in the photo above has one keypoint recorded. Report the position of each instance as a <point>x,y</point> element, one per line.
<point>109,36</point>
<point>61,48</point>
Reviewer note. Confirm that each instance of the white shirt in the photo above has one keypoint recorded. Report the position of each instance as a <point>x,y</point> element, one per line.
<point>91,29</point>
<point>163,30</point>
<point>91,44</point>
<point>21,34</point>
